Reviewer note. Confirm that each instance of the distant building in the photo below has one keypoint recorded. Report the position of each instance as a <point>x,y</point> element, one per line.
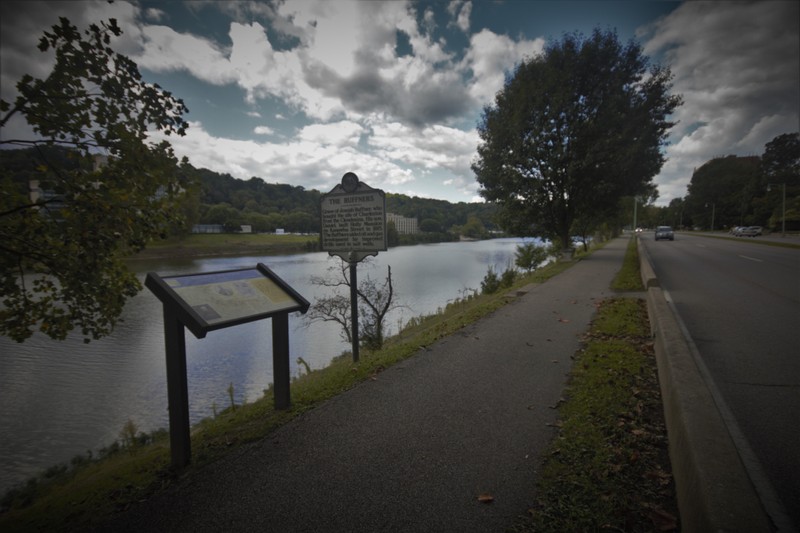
<point>403,225</point>
<point>208,228</point>
<point>46,198</point>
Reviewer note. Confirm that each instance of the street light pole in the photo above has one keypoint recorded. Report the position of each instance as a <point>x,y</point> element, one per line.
<point>713,212</point>
<point>783,206</point>
<point>783,214</point>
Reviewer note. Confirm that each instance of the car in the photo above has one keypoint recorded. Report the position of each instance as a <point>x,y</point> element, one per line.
<point>665,232</point>
<point>750,231</point>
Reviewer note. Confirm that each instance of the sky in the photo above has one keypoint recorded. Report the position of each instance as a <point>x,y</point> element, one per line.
<point>303,91</point>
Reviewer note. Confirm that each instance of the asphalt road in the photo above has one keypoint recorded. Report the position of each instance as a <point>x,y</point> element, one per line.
<point>740,303</point>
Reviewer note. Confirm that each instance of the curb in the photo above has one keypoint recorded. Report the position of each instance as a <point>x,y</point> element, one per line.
<point>713,488</point>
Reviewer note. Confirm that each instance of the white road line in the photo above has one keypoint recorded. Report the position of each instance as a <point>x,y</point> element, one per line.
<point>751,258</point>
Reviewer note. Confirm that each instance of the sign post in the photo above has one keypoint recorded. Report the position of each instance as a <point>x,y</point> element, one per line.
<point>215,300</point>
<point>353,227</point>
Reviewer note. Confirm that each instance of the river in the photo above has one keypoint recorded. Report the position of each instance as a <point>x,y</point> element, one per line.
<point>59,399</point>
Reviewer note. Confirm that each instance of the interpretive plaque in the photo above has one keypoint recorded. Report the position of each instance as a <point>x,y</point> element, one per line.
<point>353,220</point>
<point>215,300</point>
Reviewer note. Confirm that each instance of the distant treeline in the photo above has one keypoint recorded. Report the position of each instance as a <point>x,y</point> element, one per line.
<point>214,198</point>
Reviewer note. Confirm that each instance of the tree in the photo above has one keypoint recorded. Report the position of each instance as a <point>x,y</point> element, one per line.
<point>375,301</point>
<point>571,132</point>
<point>62,247</point>
<point>780,169</point>
<point>723,189</point>
<point>781,159</point>
<point>530,255</point>
<point>473,229</point>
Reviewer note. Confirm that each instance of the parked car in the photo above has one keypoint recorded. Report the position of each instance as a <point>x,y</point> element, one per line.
<point>751,231</point>
<point>664,232</point>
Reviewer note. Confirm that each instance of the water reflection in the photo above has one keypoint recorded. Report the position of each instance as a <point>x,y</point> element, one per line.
<point>60,399</point>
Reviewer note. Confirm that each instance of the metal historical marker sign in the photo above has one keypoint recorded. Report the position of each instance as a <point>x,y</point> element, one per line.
<point>353,218</point>
<point>215,300</point>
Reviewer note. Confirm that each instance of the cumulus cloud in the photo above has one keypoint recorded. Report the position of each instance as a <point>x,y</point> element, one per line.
<point>374,87</point>
<point>491,56</point>
<point>736,65</point>
<point>461,12</point>
<point>301,161</point>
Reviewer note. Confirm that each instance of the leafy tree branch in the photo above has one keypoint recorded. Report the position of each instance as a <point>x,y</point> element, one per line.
<point>105,189</point>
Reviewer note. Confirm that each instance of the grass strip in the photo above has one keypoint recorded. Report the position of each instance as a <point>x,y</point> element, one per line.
<point>629,276</point>
<point>608,468</point>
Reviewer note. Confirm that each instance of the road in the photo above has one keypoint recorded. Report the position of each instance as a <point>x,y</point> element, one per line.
<point>740,303</point>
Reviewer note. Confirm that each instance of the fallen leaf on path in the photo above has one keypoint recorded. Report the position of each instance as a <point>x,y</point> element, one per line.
<point>564,320</point>
<point>485,498</point>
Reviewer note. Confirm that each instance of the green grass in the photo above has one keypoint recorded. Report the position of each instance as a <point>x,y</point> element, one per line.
<point>608,468</point>
<point>629,277</point>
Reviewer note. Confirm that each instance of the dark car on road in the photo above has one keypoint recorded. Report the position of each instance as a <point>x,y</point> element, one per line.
<point>664,232</point>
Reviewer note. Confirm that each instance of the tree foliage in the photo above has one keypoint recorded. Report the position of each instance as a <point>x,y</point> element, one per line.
<point>572,132</point>
<point>529,256</point>
<point>780,171</point>
<point>723,188</point>
<point>109,193</point>
<point>268,206</point>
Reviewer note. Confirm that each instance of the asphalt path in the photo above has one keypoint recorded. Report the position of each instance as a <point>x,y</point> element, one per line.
<point>740,303</point>
<point>423,446</point>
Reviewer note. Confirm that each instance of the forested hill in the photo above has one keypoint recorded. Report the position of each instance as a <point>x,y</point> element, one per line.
<point>214,198</point>
<point>266,206</point>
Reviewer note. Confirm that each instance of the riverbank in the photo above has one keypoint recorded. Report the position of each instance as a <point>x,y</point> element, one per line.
<point>224,244</point>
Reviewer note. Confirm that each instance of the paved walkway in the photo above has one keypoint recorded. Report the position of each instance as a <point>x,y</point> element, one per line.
<point>415,448</point>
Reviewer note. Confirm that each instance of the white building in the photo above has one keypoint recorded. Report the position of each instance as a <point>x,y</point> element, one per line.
<point>403,225</point>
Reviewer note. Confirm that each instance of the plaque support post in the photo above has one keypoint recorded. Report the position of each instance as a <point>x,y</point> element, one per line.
<point>177,390</point>
<point>280,361</point>
<point>354,308</point>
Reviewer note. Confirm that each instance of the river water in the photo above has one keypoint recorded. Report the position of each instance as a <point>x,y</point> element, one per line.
<point>60,399</point>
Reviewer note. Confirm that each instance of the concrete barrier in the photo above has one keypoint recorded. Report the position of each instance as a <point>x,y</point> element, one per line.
<point>714,491</point>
